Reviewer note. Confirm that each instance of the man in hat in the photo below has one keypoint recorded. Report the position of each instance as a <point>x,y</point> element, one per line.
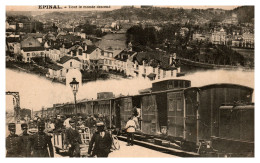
<point>102,141</point>
<point>40,142</point>
<point>32,127</point>
<point>73,140</point>
<point>58,124</point>
<point>25,141</point>
<point>13,142</point>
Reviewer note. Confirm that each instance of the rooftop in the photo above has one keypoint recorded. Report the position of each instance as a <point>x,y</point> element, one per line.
<point>90,49</point>
<point>27,49</point>
<point>67,58</point>
<point>54,67</point>
<point>123,56</point>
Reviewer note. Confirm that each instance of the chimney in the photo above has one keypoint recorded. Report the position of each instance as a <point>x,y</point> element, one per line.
<point>86,47</point>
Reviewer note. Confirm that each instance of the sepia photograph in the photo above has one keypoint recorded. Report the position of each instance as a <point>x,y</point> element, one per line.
<point>133,81</point>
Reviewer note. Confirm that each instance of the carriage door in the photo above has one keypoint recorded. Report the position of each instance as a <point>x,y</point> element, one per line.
<point>117,110</point>
<point>149,115</point>
<point>175,114</point>
<point>136,101</point>
<point>161,100</point>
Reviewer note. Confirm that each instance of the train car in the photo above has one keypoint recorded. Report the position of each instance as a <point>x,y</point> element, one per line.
<point>236,130</point>
<point>202,104</point>
<point>104,108</point>
<point>188,114</point>
<point>171,109</point>
<point>124,108</point>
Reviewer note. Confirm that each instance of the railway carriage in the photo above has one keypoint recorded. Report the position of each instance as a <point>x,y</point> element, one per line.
<point>236,130</point>
<point>175,111</point>
<point>202,108</point>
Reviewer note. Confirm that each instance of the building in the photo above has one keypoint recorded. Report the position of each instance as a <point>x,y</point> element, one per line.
<point>219,37</point>
<point>68,62</point>
<point>13,44</point>
<point>156,65</point>
<point>54,54</point>
<point>37,36</point>
<point>200,37</point>
<point>30,52</point>
<point>248,40</point>
<point>56,72</point>
<point>108,58</point>
<point>124,62</point>
<point>30,42</point>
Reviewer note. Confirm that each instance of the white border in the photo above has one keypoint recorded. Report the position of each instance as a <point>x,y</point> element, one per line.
<point>120,2</point>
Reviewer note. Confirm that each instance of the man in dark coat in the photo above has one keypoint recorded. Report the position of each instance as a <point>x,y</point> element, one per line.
<point>73,140</point>
<point>40,142</point>
<point>58,123</point>
<point>13,142</point>
<point>102,141</point>
<point>25,141</point>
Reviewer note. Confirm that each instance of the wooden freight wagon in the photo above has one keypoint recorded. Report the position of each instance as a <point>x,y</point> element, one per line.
<point>201,115</point>
<point>236,130</point>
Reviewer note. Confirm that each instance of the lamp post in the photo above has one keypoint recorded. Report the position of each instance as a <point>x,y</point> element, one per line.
<point>74,84</point>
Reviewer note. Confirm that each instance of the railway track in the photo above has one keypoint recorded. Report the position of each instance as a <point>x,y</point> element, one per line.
<point>163,149</point>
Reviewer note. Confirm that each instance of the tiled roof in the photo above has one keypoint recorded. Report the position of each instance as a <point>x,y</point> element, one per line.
<point>156,55</point>
<point>27,49</point>
<point>90,49</point>
<point>75,47</point>
<point>123,55</point>
<point>69,37</point>
<point>12,39</point>
<point>54,67</point>
<point>35,35</point>
<point>154,58</point>
<point>67,58</point>
<point>68,45</point>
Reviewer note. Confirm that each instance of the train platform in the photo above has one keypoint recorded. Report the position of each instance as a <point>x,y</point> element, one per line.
<point>137,151</point>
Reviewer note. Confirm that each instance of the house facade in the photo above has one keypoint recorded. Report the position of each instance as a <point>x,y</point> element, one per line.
<point>248,40</point>
<point>68,62</point>
<point>56,72</point>
<point>155,66</point>
<point>219,37</point>
<point>30,52</point>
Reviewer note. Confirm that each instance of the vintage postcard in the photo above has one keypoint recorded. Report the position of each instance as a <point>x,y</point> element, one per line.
<point>129,81</point>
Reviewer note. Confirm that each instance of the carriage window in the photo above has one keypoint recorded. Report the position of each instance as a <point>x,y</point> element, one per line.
<point>171,104</point>
<point>175,84</point>
<point>129,106</point>
<point>181,84</point>
<point>187,84</point>
<point>179,105</point>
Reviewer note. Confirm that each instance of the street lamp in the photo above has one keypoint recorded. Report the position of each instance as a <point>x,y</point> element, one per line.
<point>74,86</point>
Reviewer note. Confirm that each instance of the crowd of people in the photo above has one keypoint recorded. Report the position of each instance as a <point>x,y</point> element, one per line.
<point>35,140</point>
